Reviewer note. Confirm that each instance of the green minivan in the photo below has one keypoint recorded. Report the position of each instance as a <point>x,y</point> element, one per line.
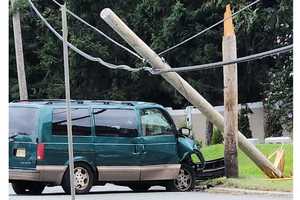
<point>134,144</point>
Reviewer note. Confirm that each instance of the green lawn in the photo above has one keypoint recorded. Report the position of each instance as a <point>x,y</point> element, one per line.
<point>251,176</point>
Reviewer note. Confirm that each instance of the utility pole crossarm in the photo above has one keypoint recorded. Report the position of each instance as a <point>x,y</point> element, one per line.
<point>186,90</point>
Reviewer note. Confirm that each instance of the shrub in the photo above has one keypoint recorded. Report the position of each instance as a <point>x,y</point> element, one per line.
<point>217,137</point>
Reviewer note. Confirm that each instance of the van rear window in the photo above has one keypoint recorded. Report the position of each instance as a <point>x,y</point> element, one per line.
<point>22,121</point>
<point>115,122</point>
<point>81,121</point>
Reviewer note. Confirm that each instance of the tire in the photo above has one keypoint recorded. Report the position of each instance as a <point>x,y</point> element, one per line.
<point>28,188</point>
<point>83,179</point>
<point>140,187</point>
<point>185,180</point>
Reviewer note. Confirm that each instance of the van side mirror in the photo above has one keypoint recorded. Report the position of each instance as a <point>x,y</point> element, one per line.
<point>184,131</point>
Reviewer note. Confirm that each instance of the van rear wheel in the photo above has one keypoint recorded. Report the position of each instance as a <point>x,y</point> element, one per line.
<point>26,187</point>
<point>83,179</point>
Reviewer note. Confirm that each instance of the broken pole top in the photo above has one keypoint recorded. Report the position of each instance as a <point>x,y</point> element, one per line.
<point>228,23</point>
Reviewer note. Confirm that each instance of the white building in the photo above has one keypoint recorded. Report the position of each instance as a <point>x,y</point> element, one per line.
<point>256,120</point>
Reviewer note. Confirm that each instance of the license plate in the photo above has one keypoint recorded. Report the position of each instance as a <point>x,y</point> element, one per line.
<point>21,153</point>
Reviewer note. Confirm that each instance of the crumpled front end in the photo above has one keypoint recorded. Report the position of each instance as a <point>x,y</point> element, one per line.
<point>189,153</point>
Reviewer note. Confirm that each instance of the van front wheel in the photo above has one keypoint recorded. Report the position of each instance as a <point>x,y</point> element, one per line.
<point>83,179</point>
<point>25,187</point>
<point>184,181</point>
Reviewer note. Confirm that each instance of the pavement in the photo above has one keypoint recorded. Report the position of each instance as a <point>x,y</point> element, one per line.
<point>112,192</point>
<point>238,191</point>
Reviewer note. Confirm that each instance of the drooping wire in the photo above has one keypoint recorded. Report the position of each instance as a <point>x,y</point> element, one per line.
<point>261,55</point>
<point>82,53</point>
<point>208,28</point>
<point>99,31</point>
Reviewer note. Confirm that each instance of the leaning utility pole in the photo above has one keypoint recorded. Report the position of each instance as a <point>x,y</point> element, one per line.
<point>19,52</point>
<point>186,90</point>
<point>230,98</point>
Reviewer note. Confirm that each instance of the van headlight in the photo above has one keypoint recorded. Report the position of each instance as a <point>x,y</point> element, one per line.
<point>195,159</point>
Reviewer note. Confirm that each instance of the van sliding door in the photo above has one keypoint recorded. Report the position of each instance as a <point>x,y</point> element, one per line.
<point>115,144</point>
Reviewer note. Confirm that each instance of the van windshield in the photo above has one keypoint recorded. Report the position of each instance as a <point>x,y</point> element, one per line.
<point>22,121</point>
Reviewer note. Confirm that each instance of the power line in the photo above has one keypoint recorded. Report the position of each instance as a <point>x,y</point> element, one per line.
<point>82,53</point>
<point>99,31</point>
<point>280,50</point>
<point>207,29</point>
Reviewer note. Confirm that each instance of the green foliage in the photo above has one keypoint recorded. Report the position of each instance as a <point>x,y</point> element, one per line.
<point>217,137</point>
<point>243,123</point>
<point>279,87</point>
<point>20,5</point>
<point>160,24</point>
<point>279,99</point>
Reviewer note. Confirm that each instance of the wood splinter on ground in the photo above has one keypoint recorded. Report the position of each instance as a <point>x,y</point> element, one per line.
<point>279,159</point>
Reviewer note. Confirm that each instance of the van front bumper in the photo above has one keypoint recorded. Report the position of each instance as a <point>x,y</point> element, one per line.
<point>42,173</point>
<point>213,169</point>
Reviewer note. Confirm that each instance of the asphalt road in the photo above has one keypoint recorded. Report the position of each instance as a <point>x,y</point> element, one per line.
<point>111,192</point>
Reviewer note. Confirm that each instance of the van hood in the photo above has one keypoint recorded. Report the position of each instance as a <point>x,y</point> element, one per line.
<point>185,146</point>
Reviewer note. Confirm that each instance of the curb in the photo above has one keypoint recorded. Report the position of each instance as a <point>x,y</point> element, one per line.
<point>245,191</point>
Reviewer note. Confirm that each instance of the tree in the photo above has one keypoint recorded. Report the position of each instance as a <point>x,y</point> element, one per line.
<point>279,98</point>
<point>160,24</point>
<point>244,125</point>
<point>279,87</point>
<point>217,137</point>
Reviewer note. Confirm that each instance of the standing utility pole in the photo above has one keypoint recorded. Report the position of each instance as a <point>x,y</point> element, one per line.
<point>19,52</point>
<point>186,90</point>
<point>67,89</point>
<point>230,98</point>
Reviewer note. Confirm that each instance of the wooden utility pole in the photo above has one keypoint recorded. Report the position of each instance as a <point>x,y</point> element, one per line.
<point>230,98</point>
<point>186,90</point>
<point>19,52</point>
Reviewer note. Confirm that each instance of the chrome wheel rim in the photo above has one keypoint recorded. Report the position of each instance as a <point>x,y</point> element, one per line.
<point>81,178</point>
<point>183,180</point>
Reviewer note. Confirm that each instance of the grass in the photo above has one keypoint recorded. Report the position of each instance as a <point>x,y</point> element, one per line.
<point>251,177</point>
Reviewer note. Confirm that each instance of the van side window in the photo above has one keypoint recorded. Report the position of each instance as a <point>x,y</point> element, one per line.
<point>156,122</point>
<point>115,122</point>
<point>81,121</point>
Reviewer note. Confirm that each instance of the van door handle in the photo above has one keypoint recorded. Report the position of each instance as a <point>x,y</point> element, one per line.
<point>143,150</point>
<point>135,152</point>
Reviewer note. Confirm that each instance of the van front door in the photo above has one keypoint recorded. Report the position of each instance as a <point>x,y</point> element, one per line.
<point>159,145</point>
<point>116,141</point>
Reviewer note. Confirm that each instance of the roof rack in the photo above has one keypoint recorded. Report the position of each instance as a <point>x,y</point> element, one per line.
<point>47,101</point>
<point>107,102</point>
<point>51,101</point>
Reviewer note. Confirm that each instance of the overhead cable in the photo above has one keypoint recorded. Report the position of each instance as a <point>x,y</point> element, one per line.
<point>207,29</point>
<point>82,53</point>
<point>99,31</point>
<point>261,55</point>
